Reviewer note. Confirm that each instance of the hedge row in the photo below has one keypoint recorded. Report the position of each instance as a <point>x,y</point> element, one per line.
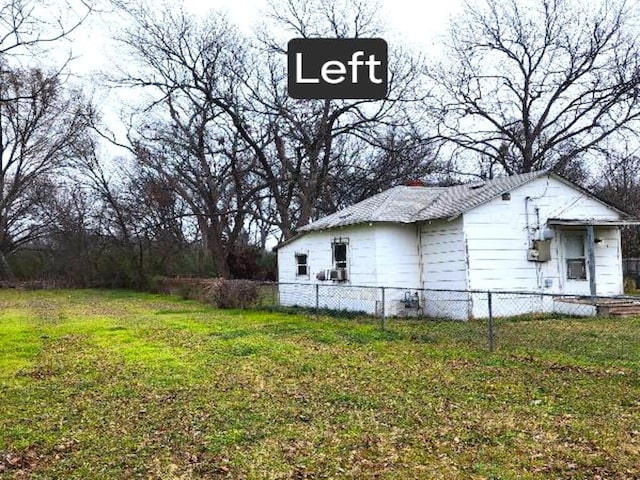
<point>219,292</point>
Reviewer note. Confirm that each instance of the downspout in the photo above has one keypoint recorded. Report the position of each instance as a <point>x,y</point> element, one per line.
<point>530,238</point>
<point>420,259</point>
<point>591,258</point>
<point>526,219</point>
<point>539,275</point>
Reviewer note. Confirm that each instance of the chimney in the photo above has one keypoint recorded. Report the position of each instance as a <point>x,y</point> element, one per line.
<point>414,183</point>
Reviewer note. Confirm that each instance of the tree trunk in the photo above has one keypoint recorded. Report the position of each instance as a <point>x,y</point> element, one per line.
<point>216,248</point>
<point>5,270</point>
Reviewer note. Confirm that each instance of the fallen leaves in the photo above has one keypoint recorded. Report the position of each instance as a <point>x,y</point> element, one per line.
<point>21,461</point>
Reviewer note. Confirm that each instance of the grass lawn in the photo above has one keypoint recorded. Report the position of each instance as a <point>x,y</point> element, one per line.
<point>99,384</point>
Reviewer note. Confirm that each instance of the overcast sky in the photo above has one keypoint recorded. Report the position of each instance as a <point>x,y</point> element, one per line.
<point>414,23</point>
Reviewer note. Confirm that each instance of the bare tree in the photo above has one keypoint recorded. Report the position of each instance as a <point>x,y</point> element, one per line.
<point>536,85</point>
<point>315,141</point>
<point>191,138</point>
<point>28,27</point>
<point>39,128</point>
<point>398,157</point>
<point>39,119</point>
<point>223,134</point>
<point>194,161</point>
<point>618,181</point>
<point>71,249</point>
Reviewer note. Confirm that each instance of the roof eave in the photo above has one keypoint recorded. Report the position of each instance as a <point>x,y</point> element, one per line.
<point>566,181</point>
<point>287,241</point>
<point>309,227</point>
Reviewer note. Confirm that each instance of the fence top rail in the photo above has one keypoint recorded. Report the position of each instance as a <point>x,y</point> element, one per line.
<point>537,293</point>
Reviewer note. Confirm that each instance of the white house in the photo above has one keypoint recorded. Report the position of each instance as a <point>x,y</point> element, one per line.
<point>535,232</point>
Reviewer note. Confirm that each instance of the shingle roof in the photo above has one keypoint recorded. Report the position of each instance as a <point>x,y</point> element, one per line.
<point>415,204</point>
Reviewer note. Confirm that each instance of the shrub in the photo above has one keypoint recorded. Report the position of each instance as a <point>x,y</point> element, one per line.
<point>630,284</point>
<point>233,293</point>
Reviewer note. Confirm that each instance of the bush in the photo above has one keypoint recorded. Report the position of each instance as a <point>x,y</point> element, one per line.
<point>233,293</point>
<point>630,285</point>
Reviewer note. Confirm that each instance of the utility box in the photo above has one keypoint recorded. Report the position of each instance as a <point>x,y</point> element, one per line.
<point>541,251</point>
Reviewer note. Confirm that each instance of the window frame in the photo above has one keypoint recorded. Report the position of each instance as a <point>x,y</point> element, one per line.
<point>579,259</point>
<point>340,264</point>
<point>298,264</point>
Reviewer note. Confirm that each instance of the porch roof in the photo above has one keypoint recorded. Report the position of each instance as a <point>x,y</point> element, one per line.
<point>595,222</point>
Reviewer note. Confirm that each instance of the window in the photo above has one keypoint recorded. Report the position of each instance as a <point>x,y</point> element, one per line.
<point>302,268</point>
<point>340,254</point>
<point>574,255</point>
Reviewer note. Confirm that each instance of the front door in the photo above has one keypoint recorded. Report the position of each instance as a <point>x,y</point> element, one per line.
<point>574,269</point>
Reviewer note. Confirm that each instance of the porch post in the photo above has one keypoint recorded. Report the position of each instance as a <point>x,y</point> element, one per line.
<point>591,258</point>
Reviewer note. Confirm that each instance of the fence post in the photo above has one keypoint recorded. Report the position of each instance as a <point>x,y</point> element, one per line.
<point>491,333</point>
<point>383,312</point>
<point>317,299</point>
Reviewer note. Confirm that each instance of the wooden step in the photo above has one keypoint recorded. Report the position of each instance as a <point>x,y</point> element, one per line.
<point>619,310</point>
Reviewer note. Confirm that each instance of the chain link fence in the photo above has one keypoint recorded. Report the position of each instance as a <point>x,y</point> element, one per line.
<point>386,302</point>
<point>484,317</point>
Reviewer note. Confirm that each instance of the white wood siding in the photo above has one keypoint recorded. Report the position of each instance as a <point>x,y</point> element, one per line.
<point>444,267</point>
<point>396,259</point>
<point>361,269</point>
<point>443,255</point>
<point>498,239</point>
<point>397,263</point>
<point>317,246</point>
<point>377,255</point>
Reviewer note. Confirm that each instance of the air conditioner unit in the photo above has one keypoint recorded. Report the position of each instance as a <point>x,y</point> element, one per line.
<point>338,275</point>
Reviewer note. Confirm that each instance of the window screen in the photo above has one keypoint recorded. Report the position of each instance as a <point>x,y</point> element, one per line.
<point>576,269</point>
